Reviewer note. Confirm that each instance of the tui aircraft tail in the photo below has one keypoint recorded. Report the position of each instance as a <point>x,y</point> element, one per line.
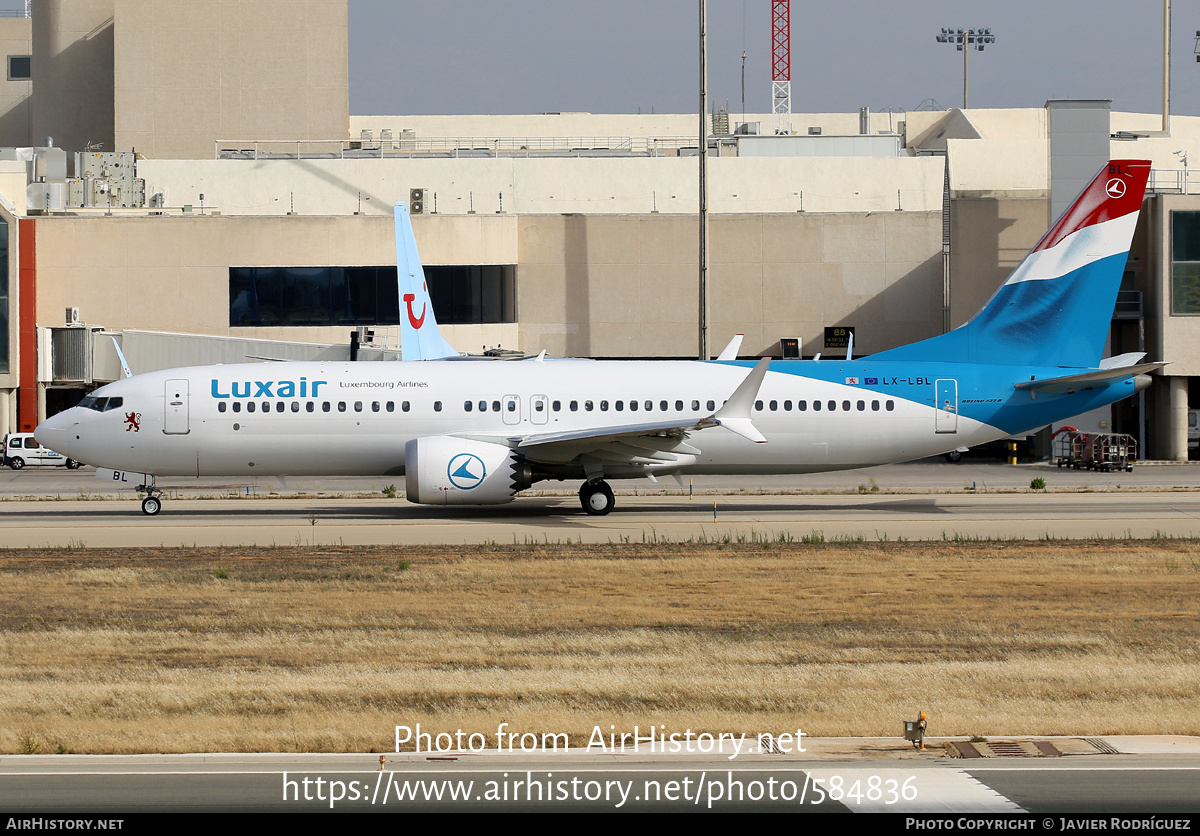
<point>1055,308</point>
<point>420,338</point>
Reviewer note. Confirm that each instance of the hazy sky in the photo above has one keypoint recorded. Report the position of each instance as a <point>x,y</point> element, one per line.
<point>616,56</point>
<point>612,56</point>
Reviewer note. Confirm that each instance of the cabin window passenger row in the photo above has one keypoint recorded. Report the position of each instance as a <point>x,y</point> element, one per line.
<point>106,404</point>
<point>309,406</point>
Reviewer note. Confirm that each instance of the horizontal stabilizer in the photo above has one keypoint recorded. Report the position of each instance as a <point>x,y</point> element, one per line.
<point>1075,382</point>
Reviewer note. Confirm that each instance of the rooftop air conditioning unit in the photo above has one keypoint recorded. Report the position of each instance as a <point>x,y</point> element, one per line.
<point>73,317</point>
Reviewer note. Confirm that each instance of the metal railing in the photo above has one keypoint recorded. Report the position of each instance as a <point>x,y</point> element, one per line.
<point>1174,181</point>
<point>452,147</point>
<point>1129,305</point>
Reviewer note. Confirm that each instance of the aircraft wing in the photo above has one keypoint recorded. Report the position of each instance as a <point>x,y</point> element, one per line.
<point>657,442</point>
<point>646,444</point>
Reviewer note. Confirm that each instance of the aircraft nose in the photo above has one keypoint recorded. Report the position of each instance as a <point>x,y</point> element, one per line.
<point>55,433</point>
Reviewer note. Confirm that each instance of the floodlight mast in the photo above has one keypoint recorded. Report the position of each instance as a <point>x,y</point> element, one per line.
<point>966,40</point>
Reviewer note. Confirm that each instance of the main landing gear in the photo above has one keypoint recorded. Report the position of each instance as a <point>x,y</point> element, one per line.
<point>596,497</point>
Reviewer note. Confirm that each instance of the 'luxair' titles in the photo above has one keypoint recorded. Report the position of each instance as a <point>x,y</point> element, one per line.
<point>263,388</point>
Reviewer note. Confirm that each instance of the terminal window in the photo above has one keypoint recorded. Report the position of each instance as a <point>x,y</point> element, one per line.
<point>324,296</point>
<point>19,68</point>
<point>1185,262</point>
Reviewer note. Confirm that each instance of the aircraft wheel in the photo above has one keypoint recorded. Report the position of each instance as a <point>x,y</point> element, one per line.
<point>151,505</point>
<point>16,463</point>
<point>597,498</point>
<point>954,456</point>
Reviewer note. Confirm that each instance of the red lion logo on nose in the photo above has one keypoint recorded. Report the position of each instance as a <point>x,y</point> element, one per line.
<point>133,421</point>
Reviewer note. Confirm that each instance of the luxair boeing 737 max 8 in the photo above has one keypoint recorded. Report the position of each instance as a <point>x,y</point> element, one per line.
<point>478,432</point>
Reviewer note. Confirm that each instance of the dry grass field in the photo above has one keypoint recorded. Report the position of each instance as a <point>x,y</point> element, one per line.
<point>298,649</point>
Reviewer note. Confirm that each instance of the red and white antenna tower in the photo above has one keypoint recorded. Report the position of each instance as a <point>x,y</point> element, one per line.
<point>781,65</point>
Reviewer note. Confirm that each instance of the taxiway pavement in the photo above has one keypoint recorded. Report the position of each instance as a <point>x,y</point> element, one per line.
<point>927,501</point>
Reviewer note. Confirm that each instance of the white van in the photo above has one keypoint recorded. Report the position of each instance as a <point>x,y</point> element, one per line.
<point>22,449</point>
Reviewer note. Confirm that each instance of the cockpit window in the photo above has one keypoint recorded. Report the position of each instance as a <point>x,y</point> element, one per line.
<point>101,404</point>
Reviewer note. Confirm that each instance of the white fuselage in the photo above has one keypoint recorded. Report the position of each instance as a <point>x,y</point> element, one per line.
<point>355,418</point>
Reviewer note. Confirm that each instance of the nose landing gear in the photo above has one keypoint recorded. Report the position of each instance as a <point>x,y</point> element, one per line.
<point>152,501</point>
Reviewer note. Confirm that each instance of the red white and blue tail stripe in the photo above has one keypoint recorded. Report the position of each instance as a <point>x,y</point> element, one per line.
<point>1055,308</point>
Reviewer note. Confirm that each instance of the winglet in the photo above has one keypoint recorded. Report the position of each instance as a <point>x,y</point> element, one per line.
<point>735,414</point>
<point>730,351</point>
<point>1122,361</point>
<point>420,338</point>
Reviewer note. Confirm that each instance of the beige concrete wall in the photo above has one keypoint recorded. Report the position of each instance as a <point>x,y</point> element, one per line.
<point>172,273</point>
<point>1009,122</point>
<point>1171,337</point>
<point>13,179</point>
<point>190,72</point>
<point>73,68</point>
<point>1162,397</point>
<point>608,285</point>
<point>1169,402</point>
<point>628,285</point>
<point>1006,167</point>
<point>616,185</point>
<point>8,411</point>
<point>989,238</point>
<point>16,38</point>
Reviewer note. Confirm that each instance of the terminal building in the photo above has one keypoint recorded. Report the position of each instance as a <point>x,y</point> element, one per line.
<point>187,178</point>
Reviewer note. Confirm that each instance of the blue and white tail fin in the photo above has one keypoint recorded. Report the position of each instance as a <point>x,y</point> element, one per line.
<point>1056,307</point>
<point>420,338</point>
